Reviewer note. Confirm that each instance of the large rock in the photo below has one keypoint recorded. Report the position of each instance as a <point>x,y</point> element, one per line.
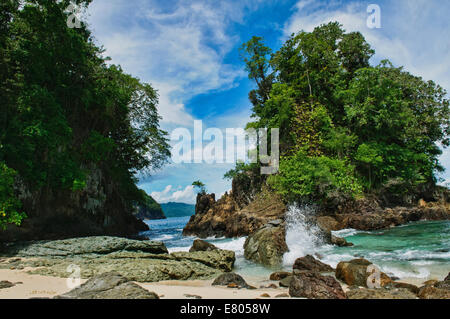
<point>312,285</point>
<point>109,285</point>
<point>4,284</point>
<point>230,279</point>
<point>266,246</point>
<point>356,273</point>
<point>201,245</point>
<point>141,261</point>
<point>98,245</point>
<point>227,218</point>
<point>380,293</point>
<point>311,264</point>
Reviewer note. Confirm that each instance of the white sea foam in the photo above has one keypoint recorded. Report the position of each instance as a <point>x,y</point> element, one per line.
<point>302,237</point>
<point>236,245</point>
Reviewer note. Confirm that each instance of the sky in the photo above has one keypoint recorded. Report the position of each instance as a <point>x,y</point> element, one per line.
<point>188,51</point>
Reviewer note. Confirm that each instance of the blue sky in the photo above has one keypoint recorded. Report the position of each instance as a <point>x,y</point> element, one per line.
<point>188,51</point>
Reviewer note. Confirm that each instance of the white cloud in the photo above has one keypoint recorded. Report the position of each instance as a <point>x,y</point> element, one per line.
<point>179,49</point>
<point>186,195</point>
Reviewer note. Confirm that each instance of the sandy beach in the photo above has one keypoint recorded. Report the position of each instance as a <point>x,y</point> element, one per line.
<point>37,286</point>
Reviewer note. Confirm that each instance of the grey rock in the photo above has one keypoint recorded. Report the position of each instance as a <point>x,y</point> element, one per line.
<point>230,278</point>
<point>109,285</point>
<point>201,245</point>
<point>312,285</point>
<point>99,245</point>
<point>286,282</point>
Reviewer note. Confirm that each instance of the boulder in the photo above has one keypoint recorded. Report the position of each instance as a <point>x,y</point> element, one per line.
<point>311,264</point>
<point>355,273</point>
<point>313,285</point>
<point>278,275</point>
<point>109,285</point>
<point>431,292</point>
<point>380,293</point>
<point>217,259</point>
<point>230,279</point>
<point>266,246</point>
<point>413,288</point>
<point>142,261</point>
<point>286,282</point>
<point>327,223</point>
<point>201,245</point>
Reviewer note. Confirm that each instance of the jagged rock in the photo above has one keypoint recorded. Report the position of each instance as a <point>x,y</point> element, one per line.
<point>327,223</point>
<point>312,285</point>
<point>109,285</point>
<point>413,288</point>
<point>380,293</point>
<point>201,245</point>
<point>431,292</point>
<point>311,264</point>
<point>355,273</point>
<point>141,261</point>
<point>230,278</point>
<point>448,277</point>
<point>279,275</point>
<point>226,218</point>
<point>266,246</point>
<point>100,245</point>
<point>6,284</point>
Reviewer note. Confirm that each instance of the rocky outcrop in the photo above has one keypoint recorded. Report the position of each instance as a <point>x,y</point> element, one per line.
<point>201,245</point>
<point>380,293</point>
<point>232,279</point>
<point>97,245</point>
<point>109,285</point>
<point>267,245</point>
<point>436,290</point>
<point>368,214</point>
<point>226,218</point>
<point>309,263</point>
<point>279,275</point>
<point>142,261</point>
<point>312,285</point>
<point>356,272</point>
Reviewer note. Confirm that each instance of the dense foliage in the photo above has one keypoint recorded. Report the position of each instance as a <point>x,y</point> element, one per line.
<point>346,127</point>
<point>63,109</point>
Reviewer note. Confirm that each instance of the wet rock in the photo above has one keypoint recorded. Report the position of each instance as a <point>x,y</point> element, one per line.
<point>201,245</point>
<point>230,278</point>
<point>380,293</point>
<point>310,263</point>
<point>279,275</point>
<point>356,273</point>
<point>109,285</point>
<point>313,285</point>
<point>266,246</point>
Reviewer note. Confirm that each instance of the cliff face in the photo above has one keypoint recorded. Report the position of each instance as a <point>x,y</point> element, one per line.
<point>224,218</point>
<point>98,209</point>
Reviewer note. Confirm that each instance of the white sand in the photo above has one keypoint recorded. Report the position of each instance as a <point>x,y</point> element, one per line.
<point>37,286</point>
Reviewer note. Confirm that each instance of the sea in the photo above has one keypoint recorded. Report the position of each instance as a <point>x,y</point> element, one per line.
<point>413,252</point>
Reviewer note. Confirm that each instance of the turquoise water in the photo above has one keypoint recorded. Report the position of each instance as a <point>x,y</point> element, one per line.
<point>418,250</point>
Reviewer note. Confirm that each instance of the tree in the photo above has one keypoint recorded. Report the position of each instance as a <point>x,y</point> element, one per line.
<point>201,189</point>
